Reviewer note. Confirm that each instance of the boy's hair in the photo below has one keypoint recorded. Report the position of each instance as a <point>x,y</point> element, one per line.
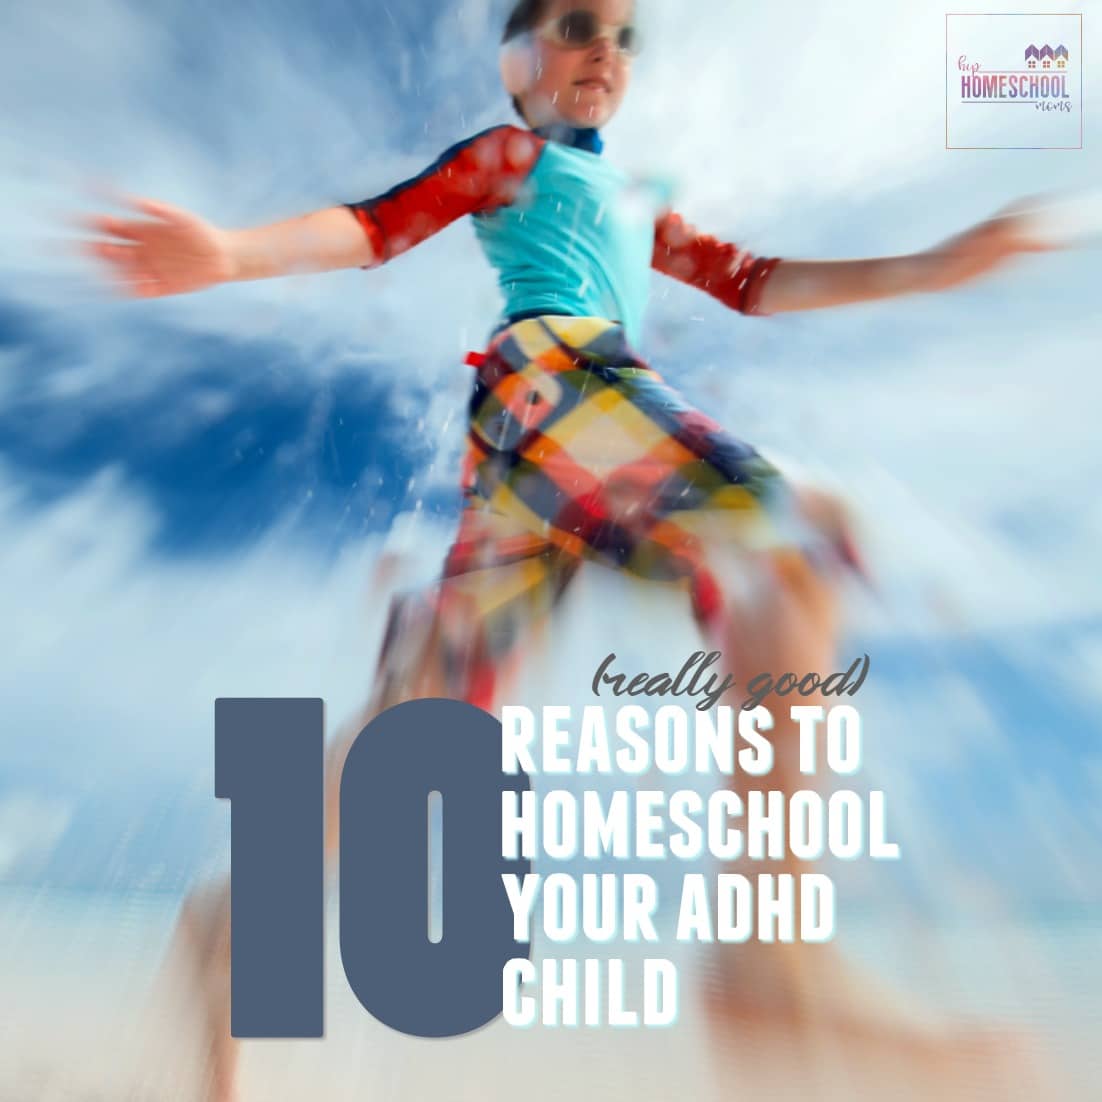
<point>525,16</point>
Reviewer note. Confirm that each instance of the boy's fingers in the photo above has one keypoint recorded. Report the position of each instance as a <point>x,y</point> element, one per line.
<point>124,259</point>
<point>136,285</point>
<point>113,227</point>
<point>1025,204</point>
<point>153,289</point>
<point>157,209</point>
<point>116,254</point>
<point>137,290</point>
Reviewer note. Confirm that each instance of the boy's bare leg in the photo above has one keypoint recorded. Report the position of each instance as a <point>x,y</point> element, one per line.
<point>415,671</point>
<point>204,928</point>
<point>809,994</point>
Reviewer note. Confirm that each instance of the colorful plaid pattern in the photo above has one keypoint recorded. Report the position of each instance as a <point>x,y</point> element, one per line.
<point>577,450</point>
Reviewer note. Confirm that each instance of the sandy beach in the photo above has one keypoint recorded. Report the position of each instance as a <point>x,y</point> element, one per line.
<point>92,1008</point>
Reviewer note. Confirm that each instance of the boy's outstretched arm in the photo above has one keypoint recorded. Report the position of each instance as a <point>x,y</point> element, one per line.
<point>813,284</point>
<point>322,241</point>
<point>817,284</point>
<point>756,285</point>
<point>172,251</point>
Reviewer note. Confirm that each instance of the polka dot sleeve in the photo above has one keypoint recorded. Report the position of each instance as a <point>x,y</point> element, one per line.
<point>723,270</point>
<point>477,174</point>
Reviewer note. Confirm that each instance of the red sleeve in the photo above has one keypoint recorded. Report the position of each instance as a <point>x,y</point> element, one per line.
<point>724,271</point>
<point>478,174</point>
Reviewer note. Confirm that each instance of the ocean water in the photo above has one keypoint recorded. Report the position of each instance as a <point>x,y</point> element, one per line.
<point>88,1011</point>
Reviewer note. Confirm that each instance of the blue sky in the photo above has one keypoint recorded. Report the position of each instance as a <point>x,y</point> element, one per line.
<point>195,493</point>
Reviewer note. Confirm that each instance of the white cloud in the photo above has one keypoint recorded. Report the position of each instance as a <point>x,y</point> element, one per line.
<point>941,417</point>
<point>115,656</point>
<point>31,825</point>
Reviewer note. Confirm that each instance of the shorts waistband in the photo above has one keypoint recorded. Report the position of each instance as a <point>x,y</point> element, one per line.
<point>559,342</point>
<point>526,315</point>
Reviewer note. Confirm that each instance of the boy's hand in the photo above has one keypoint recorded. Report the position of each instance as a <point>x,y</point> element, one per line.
<point>983,248</point>
<point>169,253</point>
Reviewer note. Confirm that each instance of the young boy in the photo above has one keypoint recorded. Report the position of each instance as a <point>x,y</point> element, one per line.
<point>578,451</point>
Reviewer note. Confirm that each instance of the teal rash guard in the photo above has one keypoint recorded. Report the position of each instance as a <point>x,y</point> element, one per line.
<point>567,232</point>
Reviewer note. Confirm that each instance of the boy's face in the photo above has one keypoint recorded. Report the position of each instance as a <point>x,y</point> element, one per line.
<point>581,86</point>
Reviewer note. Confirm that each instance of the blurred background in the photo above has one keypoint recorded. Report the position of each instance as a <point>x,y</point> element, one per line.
<point>198,495</point>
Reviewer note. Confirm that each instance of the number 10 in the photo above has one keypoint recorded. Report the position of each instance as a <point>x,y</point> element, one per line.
<point>269,762</point>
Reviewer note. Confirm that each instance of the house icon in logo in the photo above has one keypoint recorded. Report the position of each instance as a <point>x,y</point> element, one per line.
<point>1046,55</point>
<point>1037,64</point>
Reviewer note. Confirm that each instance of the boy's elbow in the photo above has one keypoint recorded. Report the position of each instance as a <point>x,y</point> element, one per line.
<point>754,289</point>
<point>368,247</point>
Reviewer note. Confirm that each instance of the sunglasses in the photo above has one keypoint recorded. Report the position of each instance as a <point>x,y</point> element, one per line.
<point>578,30</point>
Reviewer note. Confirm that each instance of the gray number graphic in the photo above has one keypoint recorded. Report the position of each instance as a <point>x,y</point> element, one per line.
<point>269,762</point>
<point>410,983</point>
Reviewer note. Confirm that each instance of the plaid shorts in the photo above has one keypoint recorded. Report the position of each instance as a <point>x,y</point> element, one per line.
<point>578,451</point>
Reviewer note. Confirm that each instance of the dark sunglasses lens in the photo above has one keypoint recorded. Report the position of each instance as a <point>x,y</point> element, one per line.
<point>629,40</point>
<point>578,28</point>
